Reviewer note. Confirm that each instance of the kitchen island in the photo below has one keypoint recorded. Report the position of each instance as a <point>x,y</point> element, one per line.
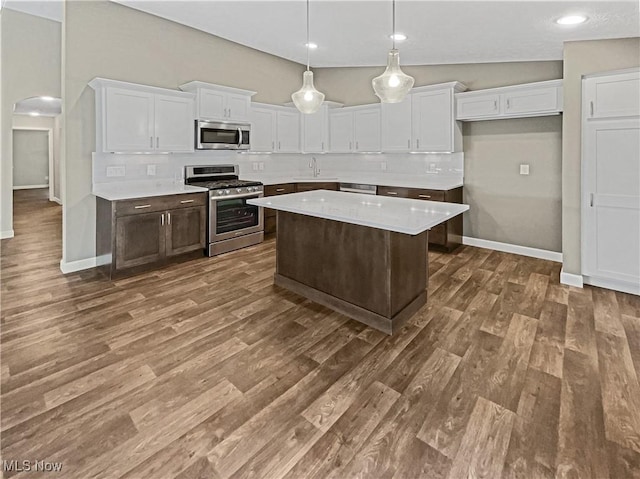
<point>363,256</point>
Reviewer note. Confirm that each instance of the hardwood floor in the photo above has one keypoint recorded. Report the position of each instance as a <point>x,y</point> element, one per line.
<point>206,370</point>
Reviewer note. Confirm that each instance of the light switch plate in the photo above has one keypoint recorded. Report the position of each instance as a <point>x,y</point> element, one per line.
<point>254,166</point>
<point>115,171</point>
<point>524,169</point>
<point>261,165</point>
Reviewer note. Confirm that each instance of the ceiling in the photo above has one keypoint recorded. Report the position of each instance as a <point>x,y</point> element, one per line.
<point>355,32</point>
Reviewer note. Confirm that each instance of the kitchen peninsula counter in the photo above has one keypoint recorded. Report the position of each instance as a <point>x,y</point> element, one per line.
<point>364,256</point>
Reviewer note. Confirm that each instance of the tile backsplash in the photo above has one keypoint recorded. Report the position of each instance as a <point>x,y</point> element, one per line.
<point>171,166</point>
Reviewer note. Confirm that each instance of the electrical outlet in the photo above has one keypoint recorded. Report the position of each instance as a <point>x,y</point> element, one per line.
<point>383,165</point>
<point>261,165</point>
<point>432,168</point>
<point>524,169</point>
<point>254,166</point>
<point>115,171</point>
<point>151,170</point>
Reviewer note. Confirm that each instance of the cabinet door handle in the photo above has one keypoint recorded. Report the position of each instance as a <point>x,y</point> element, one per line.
<point>186,201</point>
<point>409,143</point>
<point>229,112</point>
<point>424,196</point>
<point>418,143</point>
<point>392,193</point>
<point>279,145</point>
<point>349,145</point>
<point>357,145</point>
<point>591,200</point>
<point>495,104</point>
<point>162,219</point>
<point>139,207</point>
<point>150,142</point>
<point>273,145</point>
<point>157,142</point>
<point>168,218</point>
<point>322,146</point>
<point>590,108</point>
<point>508,103</point>
<point>225,112</point>
<point>278,190</point>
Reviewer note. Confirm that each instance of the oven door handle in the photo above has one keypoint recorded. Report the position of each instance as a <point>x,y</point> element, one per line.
<point>234,197</point>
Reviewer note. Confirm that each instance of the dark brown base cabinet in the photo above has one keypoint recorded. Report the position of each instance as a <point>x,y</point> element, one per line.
<point>286,188</point>
<point>141,233</point>
<point>446,236</point>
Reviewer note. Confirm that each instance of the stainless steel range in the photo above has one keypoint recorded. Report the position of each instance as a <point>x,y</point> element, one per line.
<point>233,223</point>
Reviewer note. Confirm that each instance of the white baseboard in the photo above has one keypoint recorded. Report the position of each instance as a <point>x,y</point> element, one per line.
<point>616,285</point>
<point>513,248</point>
<point>30,187</point>
<point>55,200</point>
<point>571,279</point>
<point>6,234</point>
<point>73,266</point>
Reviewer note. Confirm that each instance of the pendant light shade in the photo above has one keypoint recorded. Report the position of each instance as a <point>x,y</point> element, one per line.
<point>393,85</point>
<point>307,99</point>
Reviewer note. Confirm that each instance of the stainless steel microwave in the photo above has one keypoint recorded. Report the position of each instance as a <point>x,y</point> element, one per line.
<point>222,135</point>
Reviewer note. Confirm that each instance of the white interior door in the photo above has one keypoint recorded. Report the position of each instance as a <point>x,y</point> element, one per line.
<point>611,200</point>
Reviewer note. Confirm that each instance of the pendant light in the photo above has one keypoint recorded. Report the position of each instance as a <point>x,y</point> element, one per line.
<point>307,99</point>
<point>393,85</point>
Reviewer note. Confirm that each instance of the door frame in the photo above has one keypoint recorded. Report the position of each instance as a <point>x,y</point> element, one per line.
<point>50,154</point>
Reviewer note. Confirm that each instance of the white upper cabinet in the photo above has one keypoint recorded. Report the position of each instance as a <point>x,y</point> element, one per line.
<point>366,132</point>
<point>315,129</point>
<point>612,96</point>
<point>142,119</point>
<point>218,102</point>
<point>396,125</point>
<point>288,130</point>
<point>274,128</point>
<point>517,101</point>
<point>355,129</point>
<point>341,130</point>
<point>433,124</point>
<point>263,129</point>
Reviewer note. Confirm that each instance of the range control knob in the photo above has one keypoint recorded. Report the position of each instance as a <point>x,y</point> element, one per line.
<point>226,192</point>
<point>239,190</point>
<point>249,188</point>
<point>220,192</point>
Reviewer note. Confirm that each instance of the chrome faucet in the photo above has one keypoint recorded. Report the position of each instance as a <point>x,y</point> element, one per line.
<point>313,163</point>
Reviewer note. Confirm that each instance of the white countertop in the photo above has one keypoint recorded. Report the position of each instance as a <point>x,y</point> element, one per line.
<point>430,182</point>
<point>401,215</point>
<point>131,189</point>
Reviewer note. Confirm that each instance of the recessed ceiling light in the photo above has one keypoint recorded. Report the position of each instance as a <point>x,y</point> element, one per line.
<point>571,20</point>
<point>311,45</point>
<point>34,113</point>
<point>47,98</point>
<point>398,37</point>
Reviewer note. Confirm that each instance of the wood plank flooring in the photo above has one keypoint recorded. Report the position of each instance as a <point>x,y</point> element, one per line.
<point>204,369</point>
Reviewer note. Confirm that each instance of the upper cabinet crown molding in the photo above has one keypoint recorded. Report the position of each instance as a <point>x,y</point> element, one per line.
<point>516,101</point>
<point>219,102</point>
<point>137,118</point>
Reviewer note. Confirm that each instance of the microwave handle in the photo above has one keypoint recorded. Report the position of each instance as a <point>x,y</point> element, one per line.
<point>239,137</point>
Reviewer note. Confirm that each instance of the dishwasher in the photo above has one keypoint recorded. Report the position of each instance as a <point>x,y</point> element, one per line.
<point>359,188</point>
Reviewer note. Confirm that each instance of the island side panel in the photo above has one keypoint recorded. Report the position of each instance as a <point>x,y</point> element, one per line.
<point>350,268</point>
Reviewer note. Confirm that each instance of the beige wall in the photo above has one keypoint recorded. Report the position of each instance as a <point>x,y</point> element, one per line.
<point>104,39</point>
<point>505,206</point>
<point>582,58</point>
<point>30,49</point>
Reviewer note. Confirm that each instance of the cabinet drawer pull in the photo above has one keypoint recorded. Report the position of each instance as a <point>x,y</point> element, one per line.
<point>424,196</point>
<point>168,218</point>
<point>278,190</point>
<point>186,201</point>
<point>162,219</point>
<point>591,108</point>
<point>391,193</point>
<point>139,207</point>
